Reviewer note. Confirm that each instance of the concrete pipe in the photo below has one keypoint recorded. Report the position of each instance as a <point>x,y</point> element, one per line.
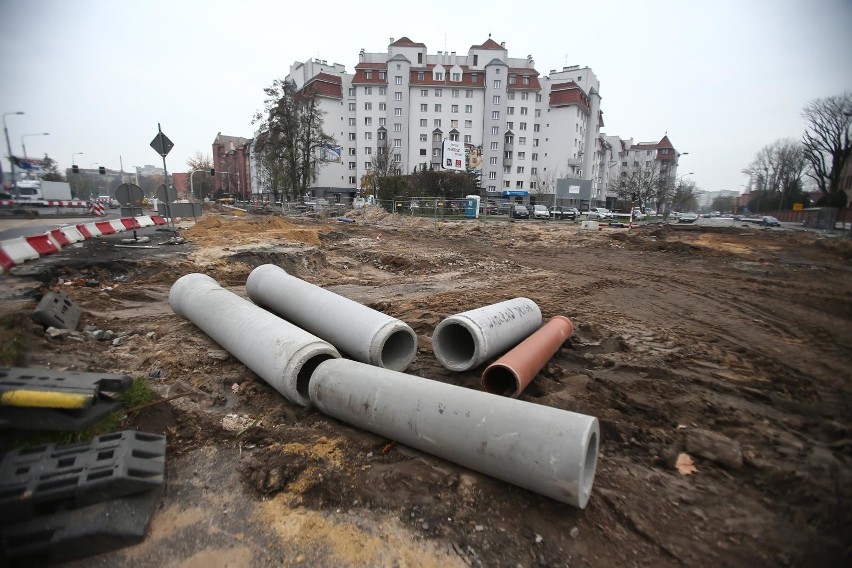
<point>362,333</point>
<point>465,340</point>
<point>279,352</point>
<point>550,451</point>
<point>510,374</point>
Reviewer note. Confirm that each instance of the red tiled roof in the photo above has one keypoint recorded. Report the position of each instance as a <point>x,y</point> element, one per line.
<point>665,143</point>
<point>324,89</point>
<point>467,79</point>
<point>328,77</point>
<point>519,73</point>
<point>361,77</point>
<point>522,71</point>
<point>405,42</point>
<point>371,66</point>
<point>567,94</point>
<point>490,44</point>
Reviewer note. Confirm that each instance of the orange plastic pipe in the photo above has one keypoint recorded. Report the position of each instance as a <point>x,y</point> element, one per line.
<point>510,374</point>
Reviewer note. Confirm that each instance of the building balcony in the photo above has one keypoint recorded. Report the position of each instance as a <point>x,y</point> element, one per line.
<point>575,162</point>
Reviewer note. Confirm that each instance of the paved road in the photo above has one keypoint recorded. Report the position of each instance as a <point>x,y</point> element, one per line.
<point>12,226</point>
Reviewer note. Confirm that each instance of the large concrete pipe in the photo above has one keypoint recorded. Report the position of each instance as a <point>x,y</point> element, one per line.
<point>279,352</point>
<point>510,374</point>
<point>550,451</point>
<point>465,340</point>
<point>361,332</point>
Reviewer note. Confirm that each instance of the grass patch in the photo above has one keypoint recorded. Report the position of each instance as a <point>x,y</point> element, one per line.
<point>12,342</point>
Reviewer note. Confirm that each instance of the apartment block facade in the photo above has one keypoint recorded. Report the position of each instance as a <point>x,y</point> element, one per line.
<point>528,129</point>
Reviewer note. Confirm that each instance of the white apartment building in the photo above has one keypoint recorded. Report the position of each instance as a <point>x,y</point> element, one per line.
<point>531,129</point>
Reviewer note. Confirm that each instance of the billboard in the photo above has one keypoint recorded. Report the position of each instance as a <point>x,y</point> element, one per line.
<point>473,158</point>
<point>452,157</point>
<point>330,153</point>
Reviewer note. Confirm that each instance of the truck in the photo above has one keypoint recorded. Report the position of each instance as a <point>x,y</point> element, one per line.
<point>38,192</point>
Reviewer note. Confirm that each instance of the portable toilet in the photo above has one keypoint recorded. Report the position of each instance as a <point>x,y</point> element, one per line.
<point>471,206</point>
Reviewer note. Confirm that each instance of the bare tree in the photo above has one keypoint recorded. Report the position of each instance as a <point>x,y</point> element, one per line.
<point>545,185</point>
<point>202,183</point>
<point>827,141</point>
<point>683,196</point>
<point>642,184</point>
<point>382,166</point>
<point>778,169</point>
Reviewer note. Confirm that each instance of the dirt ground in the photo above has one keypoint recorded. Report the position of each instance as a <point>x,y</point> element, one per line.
<point>731,346</point>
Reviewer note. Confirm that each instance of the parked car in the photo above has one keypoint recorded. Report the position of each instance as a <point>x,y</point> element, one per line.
<point>687,218</point>
<point>768,221</point>
<point>637,214</point>
<point>599,213</point>
<point>520,212</point>
<point>560,212</point>
<point>540,212</point>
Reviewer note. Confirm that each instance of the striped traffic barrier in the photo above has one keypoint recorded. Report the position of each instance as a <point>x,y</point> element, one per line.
<point>117,225</point>
<point>97,209</point>
<point>93,229</point>
<point>42,244</point>
<point>130,223</point>
<point>72,234</point>
<point>145,221</point>
<point>105,227</point>
<point>83,230</point>
<point>19,250</point>
<point>60,238</point>
<point>6,261</point>
<point>158,220</point>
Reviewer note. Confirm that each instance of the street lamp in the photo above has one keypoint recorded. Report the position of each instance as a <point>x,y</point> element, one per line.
<point>191,186</point>
<point>34,134</point>
<point>72,157</point>
<point>9,150</point>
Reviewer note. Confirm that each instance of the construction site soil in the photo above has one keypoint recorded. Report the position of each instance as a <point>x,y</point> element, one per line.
<point>717,361</point>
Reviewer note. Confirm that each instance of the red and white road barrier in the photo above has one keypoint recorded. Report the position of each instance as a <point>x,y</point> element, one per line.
<point>55,203</point>
<point>97,209</point>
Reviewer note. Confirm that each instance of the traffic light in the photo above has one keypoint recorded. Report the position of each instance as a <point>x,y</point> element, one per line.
<point>212,172</point>
<point>102,170</point>
<point>75,169</point>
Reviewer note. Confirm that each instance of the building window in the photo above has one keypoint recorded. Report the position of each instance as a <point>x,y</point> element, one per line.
<point>508,139</point>
<point>519,185</point>
<point>383,106</point>
<point>520,169</point>
<point>510,95</point>
<point>468,109</point>
<point>397,158</point>
<point>468,139</point>
<point>382,75</point>
<point>420,75</point>
<point>437,123</point>
<point>533,171</point>
<point>495,99</point>
<point>352,107</point>
<point>368,74</point>
<point>454,136</point>
<point>494,145</point>
<point>524,110</point>
<point>438,92</point>
<point>352,92</point>
<point>351,179</point>
<point>397,111</point>
<point>352,136</point>
<point>351,165</point>
<point>368,165</point>
<point>439,76</point>
<point>495,130</point>
<point>476,59</point>
<point>352,150</point>
<point>436,151</point>
<point>382,121</point>
<point>397,127</point>
<point>369,135</point>
<point>368,90</point>
<point>535,157</point>
<point>397,96</point>
<point>382,91</point>
<point>424,122</point>
<point>352,122</point>
<point>510,110</point>
<point>436,137</point>
<point>507,184</point>
<point>525,96</point>
<point>512,79</point>
<point>522,126</point>
<point>456,93</point>
<point>495,115</point>
<point>522,140</point>
<point>437,108</point>
<point>522,155</point>
<point>492,175</point>
<point>368,151</point>
<point>507,169</point>
<point>468,124</point>
<point>397,80</point>
<point>507,155</point>
<point>535,127</point>
<point>397,142</point>
<point>454,124</point>
<point>424,138</point>
<point>468,93</point>
<point>424,108</point>
<point>533,185</point>
<point>424,92</point>
<point>368,106</point>
<point>456,76</point>
<point>368,121</point>
<point>420,57</point>
<point>454,108</point>
<point>498,84</point>
<point>538,97</point>
<point>510,125</point>
<point>492,160</point>
<point>422,151</point>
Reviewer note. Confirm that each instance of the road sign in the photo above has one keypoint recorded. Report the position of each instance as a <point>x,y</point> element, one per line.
<point>166,195</point>
<point>161,144</point>
<point>129,194</point>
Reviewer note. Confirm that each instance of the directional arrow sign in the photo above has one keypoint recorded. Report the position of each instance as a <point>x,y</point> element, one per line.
<point>161,144</point>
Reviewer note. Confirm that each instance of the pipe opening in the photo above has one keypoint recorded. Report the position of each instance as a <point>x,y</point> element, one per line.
<point>501,380</point>
<point>590,464</point>
<point>398,350</point>
<point>303,379</point>
<point>455,343</point>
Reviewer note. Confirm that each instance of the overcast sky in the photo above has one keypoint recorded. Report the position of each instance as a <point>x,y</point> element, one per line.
<point>723,78</point>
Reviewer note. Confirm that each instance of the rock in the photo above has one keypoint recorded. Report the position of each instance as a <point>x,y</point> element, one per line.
<point>151,335</point>
<point>575,532</point>
<point>109,335</point>
<point>118,341</point>
<point>218,355</point>
<point>425,526</point>
<point>539,539</point>
<point>54,332</point>
<point>715,447</point>
<point>90,328</point>
<point>479,528</point>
